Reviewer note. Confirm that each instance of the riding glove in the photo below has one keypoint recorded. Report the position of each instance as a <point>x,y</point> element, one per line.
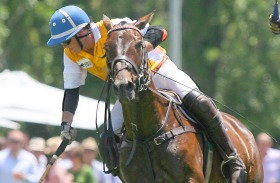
<point>68,132</point>
<point>155,35</point>
<point>274,25</point>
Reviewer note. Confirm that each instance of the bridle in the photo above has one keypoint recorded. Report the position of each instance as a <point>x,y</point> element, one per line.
<point>143,71</point>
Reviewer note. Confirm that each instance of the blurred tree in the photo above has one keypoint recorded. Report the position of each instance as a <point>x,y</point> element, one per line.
<point>231,52</point>
<point>25,46</point>
<point>248,71</point>
<point>4,33</point>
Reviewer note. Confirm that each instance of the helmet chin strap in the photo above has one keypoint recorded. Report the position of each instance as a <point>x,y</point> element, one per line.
<point>79,37</point>
<point>80,42</point>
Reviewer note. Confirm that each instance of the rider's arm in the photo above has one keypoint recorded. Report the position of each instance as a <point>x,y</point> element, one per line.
<point>74,77</point>
<point>70,103</point>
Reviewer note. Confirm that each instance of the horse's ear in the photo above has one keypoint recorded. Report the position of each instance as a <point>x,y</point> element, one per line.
<point>140,24</point>
<point>107,22</point>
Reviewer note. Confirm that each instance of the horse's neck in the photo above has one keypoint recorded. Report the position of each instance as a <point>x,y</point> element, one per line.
<point>146,113</point>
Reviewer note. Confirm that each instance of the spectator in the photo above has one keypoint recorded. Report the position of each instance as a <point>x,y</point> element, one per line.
<point>57,173</point>
<point>90,154</point>
<point>270,158</point>
<point>25,141</point>
<point>16,164</point>
<point>37,146</point>
<point>82,172</point>
<point>2,142</point>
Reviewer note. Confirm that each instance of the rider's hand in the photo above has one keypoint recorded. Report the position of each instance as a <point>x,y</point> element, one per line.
<point>155,35</point>
<point>274,25</point>
<point>68,132</point>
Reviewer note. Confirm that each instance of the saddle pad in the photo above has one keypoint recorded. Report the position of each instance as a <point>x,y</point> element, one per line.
<point>171,95</point>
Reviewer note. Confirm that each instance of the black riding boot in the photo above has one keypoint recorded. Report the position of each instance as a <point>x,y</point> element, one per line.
<point>209,116</point>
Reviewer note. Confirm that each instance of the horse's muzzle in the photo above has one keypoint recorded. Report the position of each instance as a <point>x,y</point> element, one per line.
<point>124,86</point>
<point>124,89</point>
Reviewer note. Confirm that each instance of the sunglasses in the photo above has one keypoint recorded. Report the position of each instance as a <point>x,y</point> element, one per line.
<point>66,43</point>
<point>14,141</point>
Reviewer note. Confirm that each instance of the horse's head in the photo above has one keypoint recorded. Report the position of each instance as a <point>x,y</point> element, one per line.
<point>127,57</point>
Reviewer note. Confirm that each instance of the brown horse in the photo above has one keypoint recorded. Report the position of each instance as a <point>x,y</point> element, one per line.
<point>161,145</point>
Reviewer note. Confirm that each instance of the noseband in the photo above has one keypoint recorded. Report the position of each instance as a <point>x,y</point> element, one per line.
<point>143,71</point>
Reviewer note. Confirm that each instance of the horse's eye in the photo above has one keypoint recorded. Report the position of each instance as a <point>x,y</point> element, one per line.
<point>138,45</point>
<point>106,47</point>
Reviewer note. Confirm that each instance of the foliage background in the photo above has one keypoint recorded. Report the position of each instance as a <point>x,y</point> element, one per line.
<point>228,50</point>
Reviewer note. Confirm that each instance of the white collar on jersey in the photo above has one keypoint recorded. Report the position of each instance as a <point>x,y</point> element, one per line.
<point>95,31</point>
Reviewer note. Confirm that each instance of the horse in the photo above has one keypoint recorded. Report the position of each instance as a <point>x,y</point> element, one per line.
<point>160,144</point>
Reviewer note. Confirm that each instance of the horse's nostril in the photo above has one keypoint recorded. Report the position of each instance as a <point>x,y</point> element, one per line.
<point>124,90</point>
<point>123,87</point>
<point>130,86</point>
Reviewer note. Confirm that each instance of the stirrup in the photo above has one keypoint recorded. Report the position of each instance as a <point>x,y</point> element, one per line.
<point>230,158</point>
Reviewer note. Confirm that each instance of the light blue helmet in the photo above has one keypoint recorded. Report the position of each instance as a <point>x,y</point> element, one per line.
<point>66,23</point>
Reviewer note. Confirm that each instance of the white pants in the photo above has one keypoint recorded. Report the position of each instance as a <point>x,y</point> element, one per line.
<point>170,78</point>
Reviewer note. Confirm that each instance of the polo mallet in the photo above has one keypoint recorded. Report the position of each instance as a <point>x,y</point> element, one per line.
<point>275,15</point>
<point>57,153</point>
